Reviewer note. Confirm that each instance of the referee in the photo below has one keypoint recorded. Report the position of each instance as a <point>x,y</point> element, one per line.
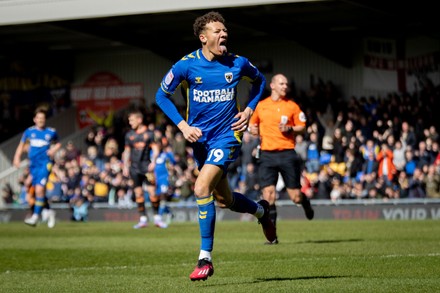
<point>276,121</point>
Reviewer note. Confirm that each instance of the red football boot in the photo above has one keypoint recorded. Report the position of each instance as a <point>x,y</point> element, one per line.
<point>203,270</point>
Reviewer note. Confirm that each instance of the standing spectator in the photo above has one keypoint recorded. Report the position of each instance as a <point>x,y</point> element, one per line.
<point>313,157</point>
<point>276,121</point>
<point>370,147</point>
<point>399,155</point>
<point>369,151</point>
<point>338,146</point>
<point>214,126</point>
<point>353,162</point>
<point>90,138</point>
<point>411,162</point>
<point>407,135</point>
<point>139,159</point>
<point>424,157</point>
<point>327,122</point>
<point>301,147</point>
<point>434,152</point>
<point>348,131</point>
<point>386,168</point>
<point>43,144</point>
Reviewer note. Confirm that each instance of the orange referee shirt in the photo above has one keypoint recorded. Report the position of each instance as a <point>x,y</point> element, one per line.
<point>269,114</point>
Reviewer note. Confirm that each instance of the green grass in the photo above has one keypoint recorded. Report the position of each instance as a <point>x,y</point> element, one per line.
<point>316,256</point>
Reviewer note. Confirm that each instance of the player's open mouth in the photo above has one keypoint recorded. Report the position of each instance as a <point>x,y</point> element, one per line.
<point>223,47</point>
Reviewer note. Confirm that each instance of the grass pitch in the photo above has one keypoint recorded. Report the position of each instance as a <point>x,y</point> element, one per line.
<point>315,256</point>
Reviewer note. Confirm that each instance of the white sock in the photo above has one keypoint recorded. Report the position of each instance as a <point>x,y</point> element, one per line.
<point>44,215</point>
<point>143,219</point>
<point>157,218</point>
<point>205,254</point>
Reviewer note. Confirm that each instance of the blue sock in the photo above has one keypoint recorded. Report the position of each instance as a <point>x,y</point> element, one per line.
<point>161,211</point>
<point>206,222</point>
<point>39,204</point>
<point>242,204</point>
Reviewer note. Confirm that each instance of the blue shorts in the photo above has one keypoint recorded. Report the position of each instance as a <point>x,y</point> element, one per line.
<point>219,153</point>
<point>162,185</point>
<point>40,173</point>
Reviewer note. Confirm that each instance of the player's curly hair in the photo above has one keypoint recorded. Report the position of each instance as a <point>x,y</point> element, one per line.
<point>201,21</point>
<point>41,109</point>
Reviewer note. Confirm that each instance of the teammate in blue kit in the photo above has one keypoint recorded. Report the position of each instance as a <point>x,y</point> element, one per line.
<point>43,144</point>
<point>214,126</point>
<point>164,161</point>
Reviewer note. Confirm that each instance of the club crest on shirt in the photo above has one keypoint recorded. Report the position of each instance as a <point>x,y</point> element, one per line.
<point>198,80</point>
<point>229,76</point>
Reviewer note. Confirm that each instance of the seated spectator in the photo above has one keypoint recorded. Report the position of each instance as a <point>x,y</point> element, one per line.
<point>357,191</point>
<point>72,152</point>
<point>79,206</point>
<point>54,191</point>
<point>417,185</point>
<point>111,148</point>
<point>432,183</point>
<point>403,184</point>
<point>322,185</point>
<point>94,158</point>
<point>252,186</point>
<point>337,192</point>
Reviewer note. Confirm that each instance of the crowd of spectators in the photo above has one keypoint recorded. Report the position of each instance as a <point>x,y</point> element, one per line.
<point>360,148</point>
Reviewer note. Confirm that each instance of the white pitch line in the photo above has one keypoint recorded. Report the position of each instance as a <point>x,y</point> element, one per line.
<point>412,255</point>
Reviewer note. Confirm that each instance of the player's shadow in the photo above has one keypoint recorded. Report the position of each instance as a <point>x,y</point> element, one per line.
<point>326,241</point>
<point>298,278</point>
<point>260,280</point>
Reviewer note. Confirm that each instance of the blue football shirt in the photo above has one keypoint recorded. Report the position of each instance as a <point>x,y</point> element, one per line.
<point>211,92</point>
<point>40,141</point>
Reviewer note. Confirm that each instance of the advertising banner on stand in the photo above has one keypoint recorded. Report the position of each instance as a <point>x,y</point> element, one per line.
<point>100,96</point>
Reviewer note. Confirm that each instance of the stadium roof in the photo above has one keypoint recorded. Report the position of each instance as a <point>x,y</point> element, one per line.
<point>327,27</point>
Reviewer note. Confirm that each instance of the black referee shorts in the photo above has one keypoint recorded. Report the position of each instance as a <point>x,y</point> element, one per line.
<point>286,162</point>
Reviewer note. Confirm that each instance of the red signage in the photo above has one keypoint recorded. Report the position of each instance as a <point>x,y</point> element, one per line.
<point>101,95</point>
